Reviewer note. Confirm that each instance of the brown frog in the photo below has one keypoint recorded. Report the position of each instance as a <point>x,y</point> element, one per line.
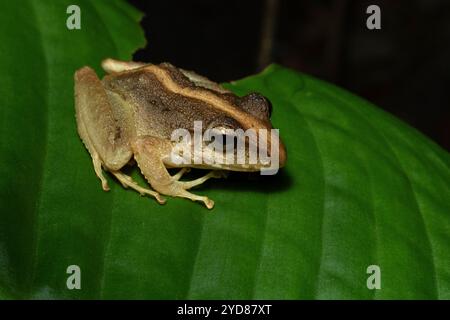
<point>133,111</point>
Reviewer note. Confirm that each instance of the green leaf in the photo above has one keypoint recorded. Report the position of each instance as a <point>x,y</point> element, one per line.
<point>360,188</point>
<point>366,190</point>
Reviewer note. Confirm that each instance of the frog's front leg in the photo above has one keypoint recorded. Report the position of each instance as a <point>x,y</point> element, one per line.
<point>148,152</point>
<point>180,173</point>
<point>212,174</point>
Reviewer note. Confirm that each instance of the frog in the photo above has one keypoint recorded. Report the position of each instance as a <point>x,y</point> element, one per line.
<point>128,117</point>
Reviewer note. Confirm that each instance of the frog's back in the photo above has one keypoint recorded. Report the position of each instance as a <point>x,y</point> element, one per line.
<point>157,107</point>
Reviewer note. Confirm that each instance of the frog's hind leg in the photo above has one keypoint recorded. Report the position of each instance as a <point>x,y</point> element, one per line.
<point>102,124</point>
<point>96,161</point>
<point>127,181</point>
<point>102,127</point>
<point>112,65</point>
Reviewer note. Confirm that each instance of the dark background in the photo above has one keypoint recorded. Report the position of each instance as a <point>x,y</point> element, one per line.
<point>403,68</point>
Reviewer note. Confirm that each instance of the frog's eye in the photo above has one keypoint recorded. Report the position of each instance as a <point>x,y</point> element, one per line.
<point>226,137</point>
<point>223,123</point>
<point>257,105</point>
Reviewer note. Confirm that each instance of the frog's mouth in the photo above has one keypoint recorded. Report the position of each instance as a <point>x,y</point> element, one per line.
<point>235,150</point>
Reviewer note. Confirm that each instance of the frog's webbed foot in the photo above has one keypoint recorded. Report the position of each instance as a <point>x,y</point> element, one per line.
<point>127,181</point>
<point>147,152</point>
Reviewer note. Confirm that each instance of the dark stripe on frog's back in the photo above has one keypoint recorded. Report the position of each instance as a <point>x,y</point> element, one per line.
<point>184,82</point>
<point>158,110</point>
<point>253,103</point>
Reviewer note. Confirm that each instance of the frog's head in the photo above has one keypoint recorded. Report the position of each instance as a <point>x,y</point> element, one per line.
<point>231,132</point>
<point>243,138</point>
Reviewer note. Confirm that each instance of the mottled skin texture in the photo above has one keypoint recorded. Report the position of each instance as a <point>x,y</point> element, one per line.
<point>133,111</point>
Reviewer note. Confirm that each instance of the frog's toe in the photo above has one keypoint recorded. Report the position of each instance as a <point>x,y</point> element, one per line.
<point>186,194</point>
<point>209,203</point>
<point>161,200</point>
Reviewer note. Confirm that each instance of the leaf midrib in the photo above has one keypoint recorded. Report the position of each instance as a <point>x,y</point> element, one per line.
<point>35,251</point>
